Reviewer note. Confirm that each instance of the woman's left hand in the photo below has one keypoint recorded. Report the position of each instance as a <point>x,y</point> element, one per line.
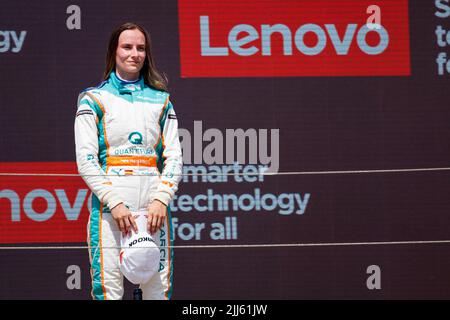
<point>157,212</point>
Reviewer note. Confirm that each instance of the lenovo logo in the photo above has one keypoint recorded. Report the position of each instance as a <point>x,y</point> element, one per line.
<point>47,204</point>
<point>264,33</point>
<point>292,38</point>
<point>43,208</point>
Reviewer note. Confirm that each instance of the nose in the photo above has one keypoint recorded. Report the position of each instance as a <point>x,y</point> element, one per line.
<point>134,52</point>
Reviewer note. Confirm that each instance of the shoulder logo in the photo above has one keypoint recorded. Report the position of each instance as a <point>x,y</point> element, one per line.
<point>135,138</point>
<point>82,112</point>
<point>172,116</point>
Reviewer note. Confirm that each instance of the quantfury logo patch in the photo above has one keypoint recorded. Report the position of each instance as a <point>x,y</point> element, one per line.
<point>293,38</point>
<point>135,138</point>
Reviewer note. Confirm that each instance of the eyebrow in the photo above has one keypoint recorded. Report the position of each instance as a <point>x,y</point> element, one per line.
<point>129,44</point>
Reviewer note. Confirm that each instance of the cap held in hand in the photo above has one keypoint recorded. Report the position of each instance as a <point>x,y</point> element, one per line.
<point>139,256</point>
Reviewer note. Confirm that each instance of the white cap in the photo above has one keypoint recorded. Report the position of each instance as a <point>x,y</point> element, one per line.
<point>139,256</point>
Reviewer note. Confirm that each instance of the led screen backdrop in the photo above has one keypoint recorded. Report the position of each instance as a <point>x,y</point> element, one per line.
<point>261,86</point>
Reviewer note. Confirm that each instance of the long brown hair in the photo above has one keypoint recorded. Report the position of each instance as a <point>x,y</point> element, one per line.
<point>152,77</point>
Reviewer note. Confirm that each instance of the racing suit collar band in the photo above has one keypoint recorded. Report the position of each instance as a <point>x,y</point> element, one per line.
<point>126,86</point>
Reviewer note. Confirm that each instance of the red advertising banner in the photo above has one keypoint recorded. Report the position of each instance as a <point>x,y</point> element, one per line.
<point>294,38</point>
<point>42,208</point>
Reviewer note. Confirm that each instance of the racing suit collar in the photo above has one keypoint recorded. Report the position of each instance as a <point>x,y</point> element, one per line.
<point>126,86</point>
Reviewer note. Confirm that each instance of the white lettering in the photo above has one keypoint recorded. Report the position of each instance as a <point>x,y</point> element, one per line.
<point>187,231</point>
<point>73,22</point>
<point>193,310</point>
<point>443,63</point>
<point>320,34</point>
<point>213,152</point>
<point>74,280</point>
<point>443,36</point>
<point>380,47</point>
<point>256,201</point>
<point>444,7</point>
<point>238,145</point>
<point>267,31</point>
<point>241,136</point>
<point>71,211</point>
<point>5,43</point>
<point>343,46</point>
<point>207,50</point>
<point>14,198</point>
<point>374,20</point>
<point>33,214</point>
<point>240,44</point>
<point>236,44</point>
<point>18,42</point>
<point>374,281</point>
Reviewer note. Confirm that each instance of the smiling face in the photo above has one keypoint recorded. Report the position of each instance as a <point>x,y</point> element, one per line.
<point>130,54</point>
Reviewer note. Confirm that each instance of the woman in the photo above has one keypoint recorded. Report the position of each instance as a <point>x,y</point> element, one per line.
<point>128,153</point>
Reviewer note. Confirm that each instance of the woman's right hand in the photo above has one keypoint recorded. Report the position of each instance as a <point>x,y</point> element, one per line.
<point>124,219</point>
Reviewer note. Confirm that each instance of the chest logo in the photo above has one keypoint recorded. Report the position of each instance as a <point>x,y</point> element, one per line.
<point>135,138</point>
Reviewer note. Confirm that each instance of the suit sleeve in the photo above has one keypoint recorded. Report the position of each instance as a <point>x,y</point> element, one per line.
<point>88,116</point>
<point>169,150</point>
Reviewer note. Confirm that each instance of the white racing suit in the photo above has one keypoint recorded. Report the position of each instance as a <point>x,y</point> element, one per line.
<point>128,151</point>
